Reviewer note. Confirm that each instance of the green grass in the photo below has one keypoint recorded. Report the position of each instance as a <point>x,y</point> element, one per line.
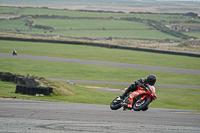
<point>167,97</point>
<point>172,98</point>
<point>92,24</point>
<point>194,34</point>
<point>62,24</point>
<point>50,12</point>
<point>9,9</point>
<point>176,98</point>
<point>139,34</point>
<point>50,69</point>
<point>13,25</point>
<point>99,25</point>
<point>83,95</point>
<point>89,24</point>
<point>99,54</point>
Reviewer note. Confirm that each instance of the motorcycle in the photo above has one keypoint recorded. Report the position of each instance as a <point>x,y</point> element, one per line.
<point>14,53</point>
<point>137,100</point>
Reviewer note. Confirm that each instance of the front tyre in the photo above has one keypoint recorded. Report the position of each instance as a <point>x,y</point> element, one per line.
<point>141,104</point>
<point>115,104</point>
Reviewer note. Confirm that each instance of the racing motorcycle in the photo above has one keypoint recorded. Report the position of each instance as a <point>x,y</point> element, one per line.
<point>137,100</point>
<point>14,53</point>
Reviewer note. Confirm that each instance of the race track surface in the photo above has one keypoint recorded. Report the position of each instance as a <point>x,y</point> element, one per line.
<point>20,116</point>
<point>29,116</point>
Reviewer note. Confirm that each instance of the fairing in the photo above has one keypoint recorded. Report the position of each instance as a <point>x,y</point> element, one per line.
<point>140,93</point>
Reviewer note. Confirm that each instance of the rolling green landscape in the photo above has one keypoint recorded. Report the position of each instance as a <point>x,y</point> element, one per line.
<point>113,24</point>
<point>118,28</point>
<point>167,97</point>
<point>148,30</point>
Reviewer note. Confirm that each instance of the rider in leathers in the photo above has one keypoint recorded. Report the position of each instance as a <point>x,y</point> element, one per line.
<point>151,79</point>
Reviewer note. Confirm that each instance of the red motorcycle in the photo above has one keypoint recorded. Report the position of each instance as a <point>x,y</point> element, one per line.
<point>137,100</point>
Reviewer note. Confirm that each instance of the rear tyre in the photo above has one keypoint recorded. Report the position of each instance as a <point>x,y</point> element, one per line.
<point>145,109</point>
<point>142,104</point>
<point>115,104</point>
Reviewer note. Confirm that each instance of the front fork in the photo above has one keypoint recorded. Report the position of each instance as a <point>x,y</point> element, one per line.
<point>142,98</point>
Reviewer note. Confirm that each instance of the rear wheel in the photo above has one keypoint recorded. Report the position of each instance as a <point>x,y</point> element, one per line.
<point>141,104</point>
<point>115,104</point>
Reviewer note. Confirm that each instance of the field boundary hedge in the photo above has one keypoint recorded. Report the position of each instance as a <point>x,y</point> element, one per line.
<point>99,45</point>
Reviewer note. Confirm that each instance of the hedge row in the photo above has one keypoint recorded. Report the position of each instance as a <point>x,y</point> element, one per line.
<point>25,84</point>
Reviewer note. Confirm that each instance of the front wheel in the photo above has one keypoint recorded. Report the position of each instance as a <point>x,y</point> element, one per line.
<point>115,104</point>
<point>141,104</point>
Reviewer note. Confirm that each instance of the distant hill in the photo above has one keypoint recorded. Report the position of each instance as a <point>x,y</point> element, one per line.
<point>155,6</point>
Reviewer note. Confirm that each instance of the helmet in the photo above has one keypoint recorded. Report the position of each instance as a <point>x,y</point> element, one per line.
<point>151,79</point>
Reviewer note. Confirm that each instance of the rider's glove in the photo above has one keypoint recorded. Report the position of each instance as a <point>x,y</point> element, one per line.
<point>143,86</point>
<point>139,84</point>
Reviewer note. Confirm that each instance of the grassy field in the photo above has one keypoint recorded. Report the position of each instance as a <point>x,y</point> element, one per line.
<point>50,12</point>
<point>13,25</point>
<point>83,95</point>
<point>139,34</point>
<point>9,9</point>
<point>90,72</point>
<point>195,34</point>
<point>177,98</point>
<point>167,97</point>
<point>173,98</point>
<point>141,29</point>
<point>99,54</point>
<point>90,24</point>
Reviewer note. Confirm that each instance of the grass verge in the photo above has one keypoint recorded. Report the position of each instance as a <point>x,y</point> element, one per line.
<point>176,98</point>
<point>80,94</point>
<point>99,54</point>
<point>64,70</point>
<point>171,98</point>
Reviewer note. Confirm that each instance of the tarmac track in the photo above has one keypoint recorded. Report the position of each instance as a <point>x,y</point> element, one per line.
<point>29,116</point>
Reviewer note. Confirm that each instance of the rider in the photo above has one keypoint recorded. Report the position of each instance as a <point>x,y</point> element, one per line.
<point>14,51</point>
<point>151,80</point>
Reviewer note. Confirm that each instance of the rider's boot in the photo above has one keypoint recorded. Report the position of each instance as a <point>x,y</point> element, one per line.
<point>120,98</point>
<point>131,88</point>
